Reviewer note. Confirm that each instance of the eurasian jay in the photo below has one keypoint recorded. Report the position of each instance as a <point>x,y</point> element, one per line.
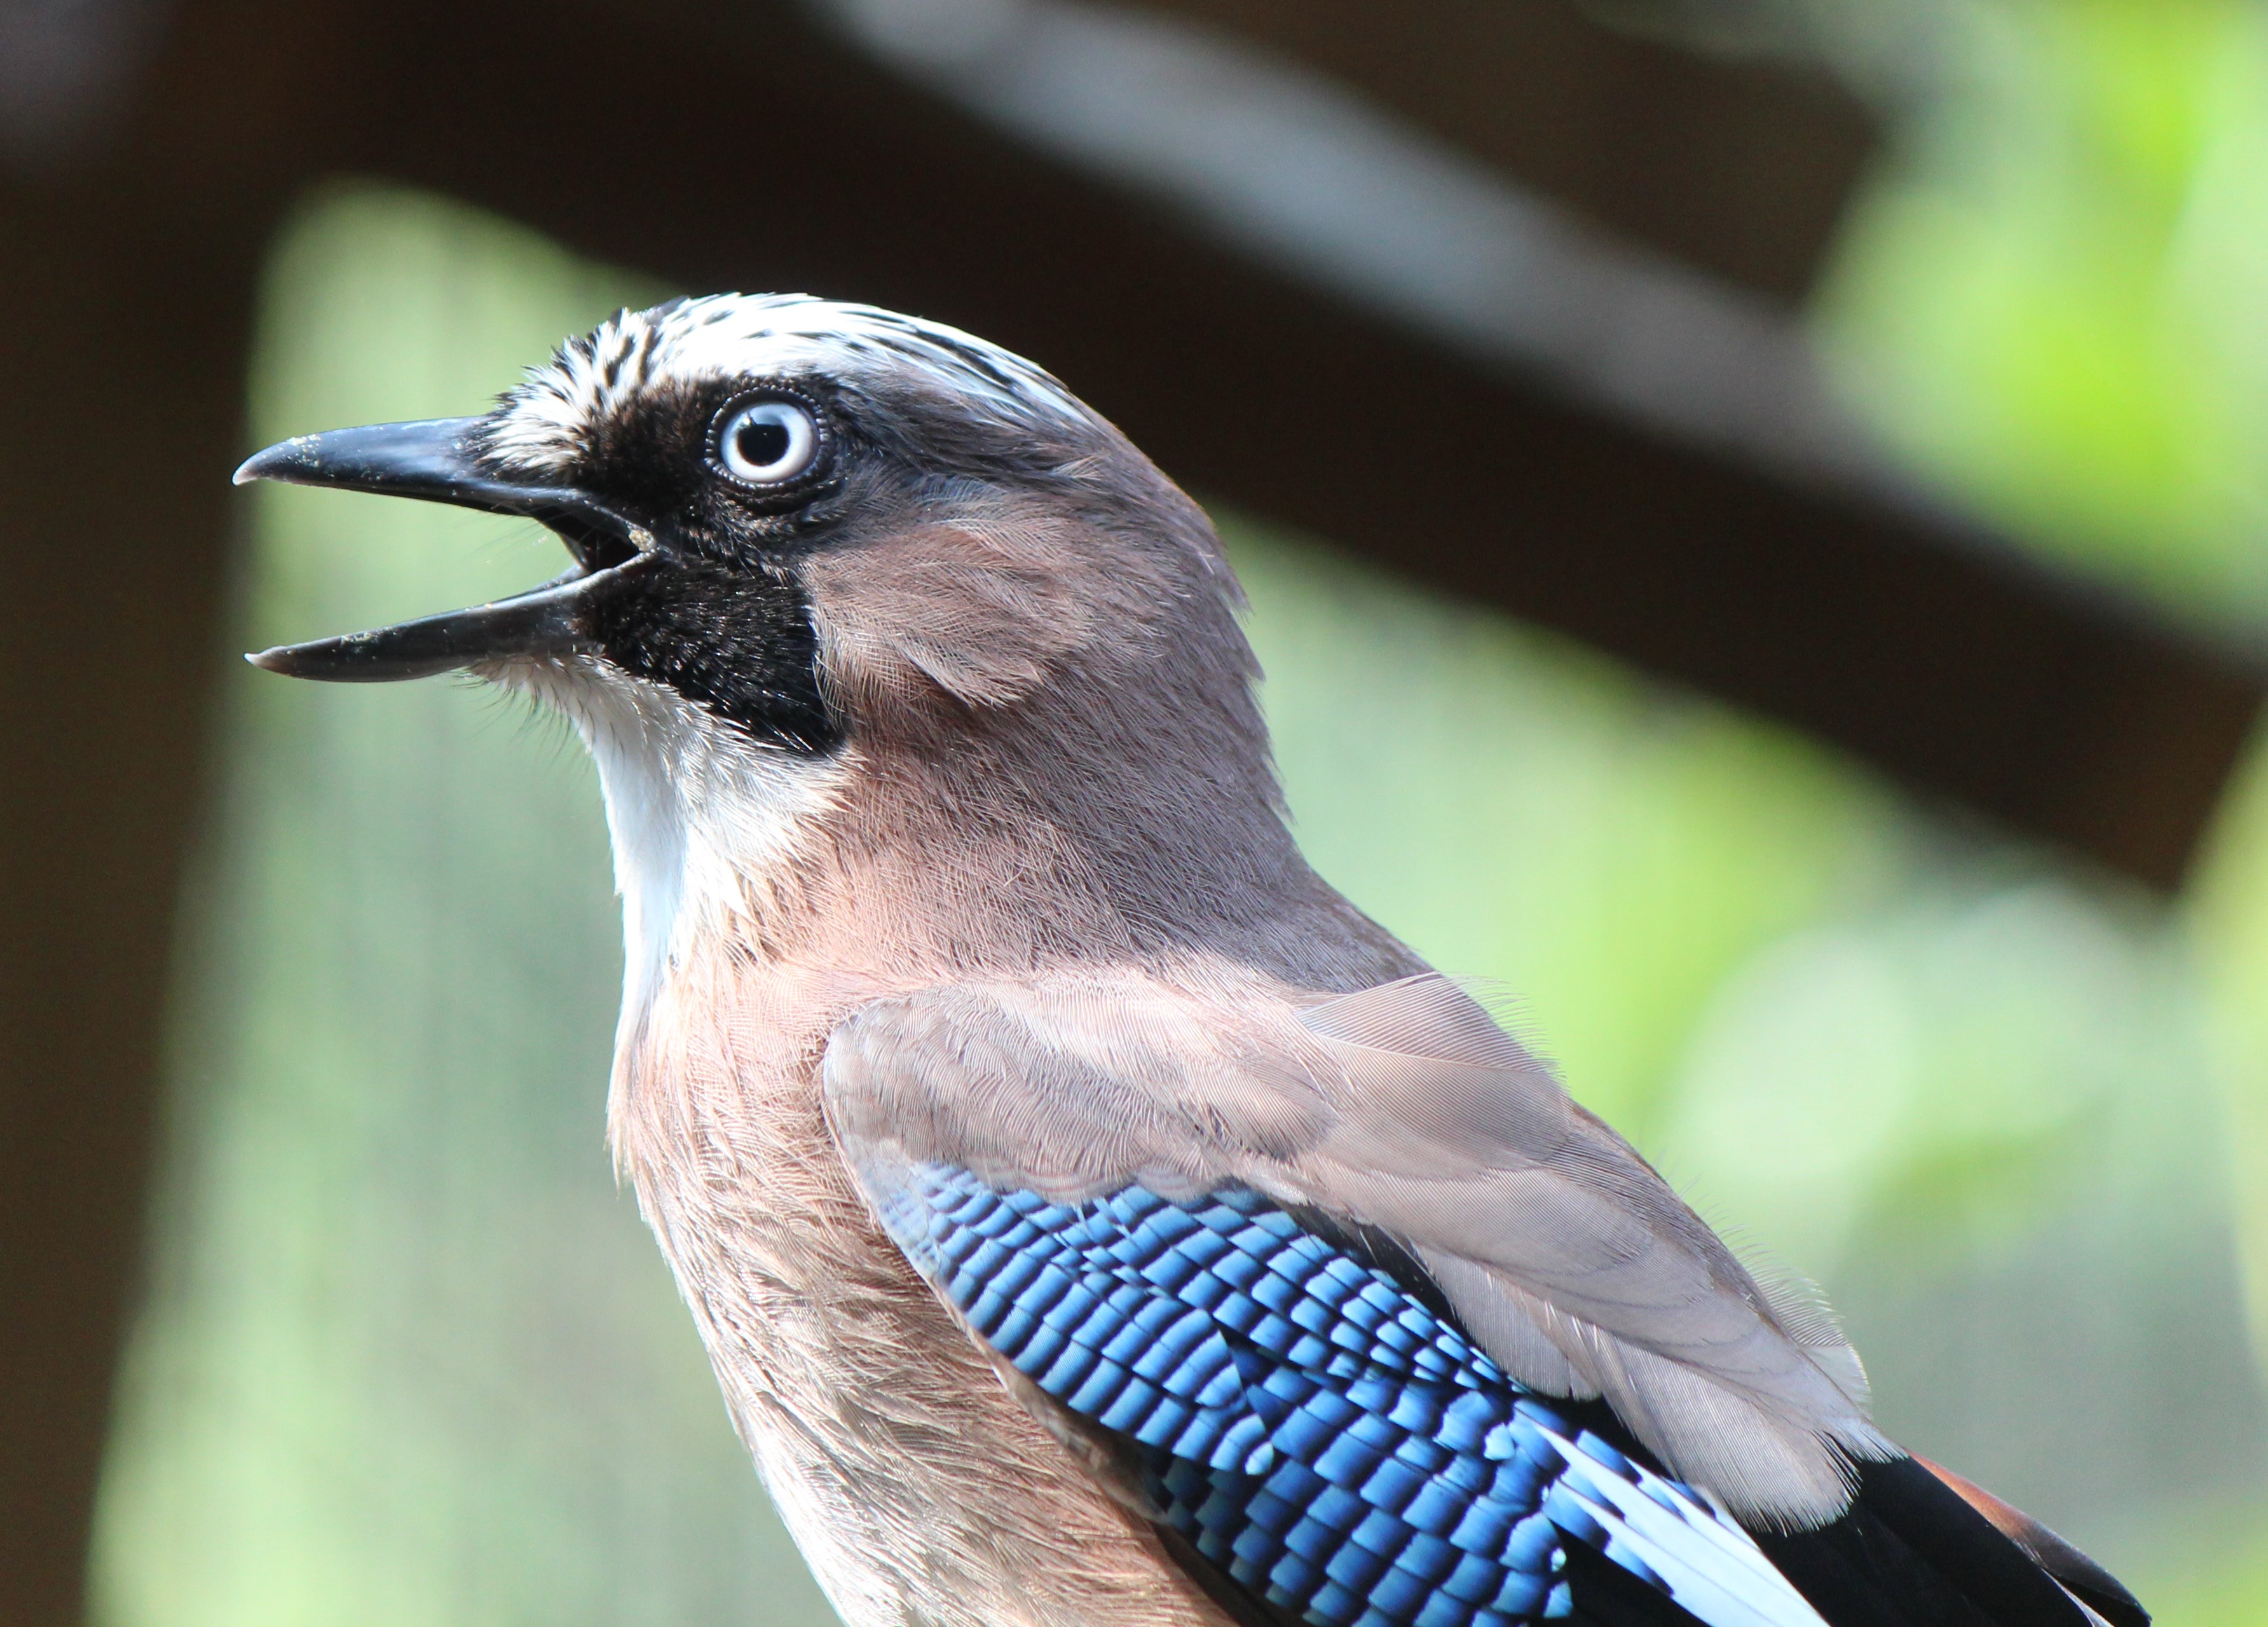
<point>1090,1216</point>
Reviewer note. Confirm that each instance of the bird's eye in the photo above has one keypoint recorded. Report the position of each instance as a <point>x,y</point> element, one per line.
<point>767,443</point>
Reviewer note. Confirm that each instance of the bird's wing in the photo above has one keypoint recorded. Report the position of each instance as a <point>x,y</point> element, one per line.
<point>1404,1110</point>
<point>1333,1289</point>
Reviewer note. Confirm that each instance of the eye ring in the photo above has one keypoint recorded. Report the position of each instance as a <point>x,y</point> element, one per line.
<point>768,441</point>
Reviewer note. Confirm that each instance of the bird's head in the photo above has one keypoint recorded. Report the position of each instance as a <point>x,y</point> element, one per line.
<point>818,548</point>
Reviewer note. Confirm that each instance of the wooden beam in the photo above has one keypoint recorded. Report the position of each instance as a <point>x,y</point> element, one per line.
<point>126,363</point>
<point>130,278</point>
<point>1740,167</point>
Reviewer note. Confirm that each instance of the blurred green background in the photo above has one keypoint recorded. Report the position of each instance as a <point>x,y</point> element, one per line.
<point>408,1356</point>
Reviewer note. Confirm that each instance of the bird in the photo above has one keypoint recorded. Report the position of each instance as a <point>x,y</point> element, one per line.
<point>1090,1215</point>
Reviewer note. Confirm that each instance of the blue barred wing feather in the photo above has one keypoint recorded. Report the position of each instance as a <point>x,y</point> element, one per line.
<point>1306,1424</point>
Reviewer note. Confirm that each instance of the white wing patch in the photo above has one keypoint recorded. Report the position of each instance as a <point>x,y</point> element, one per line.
<point>1702,1559</point>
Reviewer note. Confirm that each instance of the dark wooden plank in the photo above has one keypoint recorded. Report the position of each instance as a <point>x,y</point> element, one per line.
<point>132,252</point>
<point>125,361</point>
<point>1738,166</point>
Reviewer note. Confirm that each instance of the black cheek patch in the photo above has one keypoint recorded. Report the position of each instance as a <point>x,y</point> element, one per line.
<point>738,642</point>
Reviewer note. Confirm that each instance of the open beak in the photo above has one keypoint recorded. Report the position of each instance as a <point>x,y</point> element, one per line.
<point>436,459</point>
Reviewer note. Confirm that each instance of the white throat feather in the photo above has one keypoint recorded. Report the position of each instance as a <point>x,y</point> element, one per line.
<point>704,818</point>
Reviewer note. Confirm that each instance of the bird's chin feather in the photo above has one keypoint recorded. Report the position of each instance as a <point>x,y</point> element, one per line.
<point>704,818</point>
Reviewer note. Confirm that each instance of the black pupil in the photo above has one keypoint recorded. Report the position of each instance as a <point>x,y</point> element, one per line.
<point>762,442</point>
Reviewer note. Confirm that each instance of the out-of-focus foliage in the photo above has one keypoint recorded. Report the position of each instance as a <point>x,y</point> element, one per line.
<point>2056,299</point>
<point>409,1357</point>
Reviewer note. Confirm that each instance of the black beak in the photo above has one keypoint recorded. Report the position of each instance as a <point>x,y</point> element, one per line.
<point>437,460</point>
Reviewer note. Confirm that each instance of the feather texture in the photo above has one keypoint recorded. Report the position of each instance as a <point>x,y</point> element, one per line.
<point>1405,1108</point>
<point>1395,1334</point>
<point>1305,1424</point>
